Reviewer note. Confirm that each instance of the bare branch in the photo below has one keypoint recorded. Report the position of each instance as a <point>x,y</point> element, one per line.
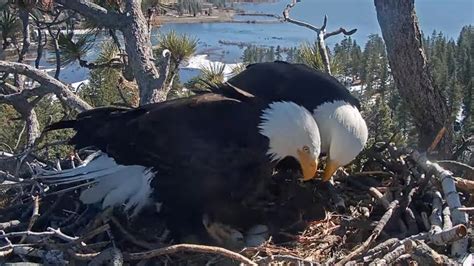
<point>60,89</point>
<point>100,15</point>
<point>286,17</point>
<point>189,248</point>
<point>375,233</point>
<point>339,31</point>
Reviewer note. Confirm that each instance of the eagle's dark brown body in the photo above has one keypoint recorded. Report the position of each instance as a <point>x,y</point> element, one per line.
<point>206,151</point>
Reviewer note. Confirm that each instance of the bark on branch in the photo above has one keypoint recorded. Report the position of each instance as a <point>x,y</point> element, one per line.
<point>100,15</point>
<point>55,86</point>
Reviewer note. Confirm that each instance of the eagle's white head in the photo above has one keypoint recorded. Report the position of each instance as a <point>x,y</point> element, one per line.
<point>343,132</point>
<point>292,131</point>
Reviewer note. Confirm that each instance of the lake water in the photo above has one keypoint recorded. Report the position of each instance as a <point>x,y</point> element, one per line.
<point>441,15</point>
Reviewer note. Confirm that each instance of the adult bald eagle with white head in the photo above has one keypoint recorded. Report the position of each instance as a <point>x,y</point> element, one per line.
<point>189,154</point>
<point>342,129</point>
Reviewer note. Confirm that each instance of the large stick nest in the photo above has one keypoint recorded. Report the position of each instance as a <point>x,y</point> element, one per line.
<point>395,208</point>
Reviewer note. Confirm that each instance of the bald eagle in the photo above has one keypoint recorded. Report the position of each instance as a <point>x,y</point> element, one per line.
<point>188,154</point>
<point>342,129</point>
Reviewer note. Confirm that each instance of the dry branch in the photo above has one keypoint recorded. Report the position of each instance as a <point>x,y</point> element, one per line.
<point>464,185</point>
<point>110,256</point>
<point>459,247</point>
<point>437,209</point>
<point>379,196</point>
<point>320,33</point>
<point>55,86</point>
<point>443,237</point>
<point>425,255</point>
<point>188,248</point>
<point>375,233</point>
<point>34,216</point>
<point>391,256</point>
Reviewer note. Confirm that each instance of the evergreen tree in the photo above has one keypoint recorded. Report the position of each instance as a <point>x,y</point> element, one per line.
<point>465,77</point>
<point>375,64</point>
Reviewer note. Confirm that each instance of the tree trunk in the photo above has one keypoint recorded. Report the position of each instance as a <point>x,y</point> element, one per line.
<point>407,59</point>
<point>140,55</point>
<point>133,25</point>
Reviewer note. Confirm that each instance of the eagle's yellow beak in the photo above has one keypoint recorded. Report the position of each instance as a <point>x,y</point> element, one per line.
<point>308,164</point>
<point>331,168</point>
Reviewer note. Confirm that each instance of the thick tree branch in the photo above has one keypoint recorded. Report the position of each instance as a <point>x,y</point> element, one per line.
<point>100,15</point>
<point>60,89</point>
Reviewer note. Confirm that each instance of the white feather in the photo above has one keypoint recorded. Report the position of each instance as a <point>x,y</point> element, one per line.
<point>343,131</point>
<point>114,184</point>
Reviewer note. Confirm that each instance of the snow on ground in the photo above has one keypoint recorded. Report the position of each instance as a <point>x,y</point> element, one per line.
<point>201,61</point>
<point>356,88</point>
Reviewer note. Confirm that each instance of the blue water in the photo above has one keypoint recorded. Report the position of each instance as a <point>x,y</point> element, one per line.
<point>441,15</point>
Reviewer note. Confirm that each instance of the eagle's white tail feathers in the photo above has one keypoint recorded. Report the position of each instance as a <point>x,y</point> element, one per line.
<point>114,184</point>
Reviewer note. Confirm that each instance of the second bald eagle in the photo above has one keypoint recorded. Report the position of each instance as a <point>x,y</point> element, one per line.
<point>342,129</point>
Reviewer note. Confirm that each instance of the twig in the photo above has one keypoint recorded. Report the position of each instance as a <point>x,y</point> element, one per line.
<point>34,216</point>
<point>379,196</point>
<point>50,232</point>
<point>458,164</point>
<point>437,139</point>
<point>188,248</point>
<point>339,31</point>
<point>110,256</point>
<point>89,235</point>
<point>375,233</point>
<point>82,256</point>
<point>284,258</point>
<point>130,237</point>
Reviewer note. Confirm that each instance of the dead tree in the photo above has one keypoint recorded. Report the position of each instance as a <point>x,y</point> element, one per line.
<point>403,40</point>
<point>321,33</point>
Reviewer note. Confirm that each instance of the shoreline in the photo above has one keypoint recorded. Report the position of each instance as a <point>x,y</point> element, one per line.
<point>222,16</point>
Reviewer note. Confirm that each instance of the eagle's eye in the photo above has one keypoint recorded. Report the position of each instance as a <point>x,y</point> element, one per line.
<point>306,149</point>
